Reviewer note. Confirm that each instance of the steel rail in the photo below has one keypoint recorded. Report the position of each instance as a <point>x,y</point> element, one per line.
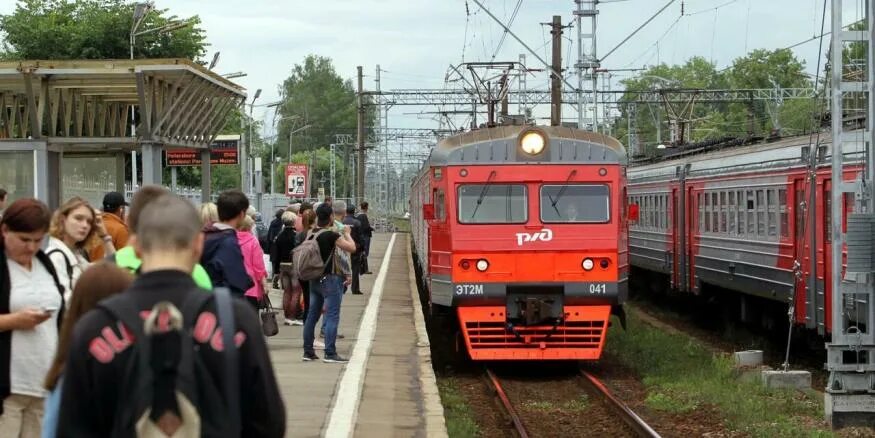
<point>639,426</point>
<point>508,407</point>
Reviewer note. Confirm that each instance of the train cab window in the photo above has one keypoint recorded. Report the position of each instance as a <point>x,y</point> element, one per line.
<point>580,203</point>
<point>493,204</point>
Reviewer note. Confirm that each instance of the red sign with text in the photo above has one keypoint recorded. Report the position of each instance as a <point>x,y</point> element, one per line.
<point>296,180</point>
<point>222,151</point>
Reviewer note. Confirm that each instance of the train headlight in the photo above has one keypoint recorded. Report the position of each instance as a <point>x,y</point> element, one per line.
<point>533,142</point>
<point>587,264</point>
<point>482,265</point>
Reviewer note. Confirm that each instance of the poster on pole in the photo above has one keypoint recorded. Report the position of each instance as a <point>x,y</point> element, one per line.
<point>296,180</point>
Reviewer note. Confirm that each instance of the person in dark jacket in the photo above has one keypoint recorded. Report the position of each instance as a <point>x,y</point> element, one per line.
<point>169,240</point>
<point>222,257</point>
<point>31,309</point>
<point>355,257</point>
<point>284,245</point>
<point>276,225</point>
<point>367,233</point>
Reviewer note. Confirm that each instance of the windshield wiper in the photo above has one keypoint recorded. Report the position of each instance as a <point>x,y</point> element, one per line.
<point>482,194</point>
<point>553,202</point>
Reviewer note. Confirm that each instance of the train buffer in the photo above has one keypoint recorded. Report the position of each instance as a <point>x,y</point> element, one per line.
<point>388,387</point>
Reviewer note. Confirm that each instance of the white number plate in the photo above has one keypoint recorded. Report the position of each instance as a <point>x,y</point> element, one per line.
<point>598,289</point>
<point>469,289</point>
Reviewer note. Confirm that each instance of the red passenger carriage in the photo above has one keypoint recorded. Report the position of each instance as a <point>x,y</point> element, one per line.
<point>736,219</point>
<point>520,232</point>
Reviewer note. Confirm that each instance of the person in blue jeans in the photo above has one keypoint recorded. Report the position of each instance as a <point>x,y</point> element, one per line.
<point>326,291</point>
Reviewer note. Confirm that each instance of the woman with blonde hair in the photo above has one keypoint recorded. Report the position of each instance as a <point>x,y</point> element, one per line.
<point>99,281</point>
<point>209,213</point>
<point>75,228</point>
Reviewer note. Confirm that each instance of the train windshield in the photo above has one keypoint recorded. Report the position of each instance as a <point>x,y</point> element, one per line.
<point>575,203</point>
<point>492,204</point>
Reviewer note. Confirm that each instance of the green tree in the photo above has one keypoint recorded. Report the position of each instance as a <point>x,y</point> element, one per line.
<point>759,69</point>
<point>315,96</point>
<point>93,29</point>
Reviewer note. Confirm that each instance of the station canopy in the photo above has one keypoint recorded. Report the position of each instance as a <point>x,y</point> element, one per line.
<point>59,117</point>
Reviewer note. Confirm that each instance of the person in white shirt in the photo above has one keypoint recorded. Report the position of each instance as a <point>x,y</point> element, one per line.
<point>31,305</point>
<point>75,228</point>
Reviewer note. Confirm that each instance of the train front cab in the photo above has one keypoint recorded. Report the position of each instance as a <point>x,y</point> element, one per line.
<point>528,280</point>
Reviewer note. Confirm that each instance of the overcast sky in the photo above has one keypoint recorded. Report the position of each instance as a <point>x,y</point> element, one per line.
<point>414,41</point>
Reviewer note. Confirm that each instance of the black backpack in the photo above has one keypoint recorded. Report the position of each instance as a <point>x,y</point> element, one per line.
<point>166,374</point>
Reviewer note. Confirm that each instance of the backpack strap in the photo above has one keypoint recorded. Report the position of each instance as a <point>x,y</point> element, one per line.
<point>225,309</point>
<point>66,263</point>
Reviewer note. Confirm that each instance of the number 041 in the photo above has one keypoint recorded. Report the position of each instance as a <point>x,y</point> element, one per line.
<point>599,288</point>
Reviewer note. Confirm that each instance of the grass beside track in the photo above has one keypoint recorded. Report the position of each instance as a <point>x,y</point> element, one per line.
<point>457,413</point>
<point>681,375</point>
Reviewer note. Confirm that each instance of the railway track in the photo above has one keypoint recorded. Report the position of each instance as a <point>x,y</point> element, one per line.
<point>516,422</point>
<point>608,407</point>
<point>638,425</point>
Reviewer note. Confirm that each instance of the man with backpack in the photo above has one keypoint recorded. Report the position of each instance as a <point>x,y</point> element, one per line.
<point>165,358</point>
<point>222,257</point>
<point>315,260</point>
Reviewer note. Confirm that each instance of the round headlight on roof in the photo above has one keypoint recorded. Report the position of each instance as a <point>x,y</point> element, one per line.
<point>533,142</point>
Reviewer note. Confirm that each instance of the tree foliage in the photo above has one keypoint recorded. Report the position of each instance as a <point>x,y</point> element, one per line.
<point>93,29</point>
<point>317,105</point>
<point>759,69</point>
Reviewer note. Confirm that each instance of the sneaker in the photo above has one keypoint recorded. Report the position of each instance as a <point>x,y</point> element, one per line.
<point>319,344</point>
<point>339,336</point>
<point>297,322</point>
<point>369,272</point>
<point>309,357</point>
<point>358,293</point>
<point>288,322</point>
<point>335,358</point>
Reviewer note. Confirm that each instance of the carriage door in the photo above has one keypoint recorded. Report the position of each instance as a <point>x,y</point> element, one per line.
<point>679,238</point>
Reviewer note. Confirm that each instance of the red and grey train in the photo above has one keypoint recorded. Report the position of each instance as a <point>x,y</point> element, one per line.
<point>734,221</point>
<point>520,232</point>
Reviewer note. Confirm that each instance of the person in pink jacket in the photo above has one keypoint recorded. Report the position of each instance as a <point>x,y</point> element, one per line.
<point>253,260</point>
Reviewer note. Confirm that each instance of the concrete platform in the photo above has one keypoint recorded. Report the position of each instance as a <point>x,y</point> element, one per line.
<point>388,387</point>
<point>793,379</point>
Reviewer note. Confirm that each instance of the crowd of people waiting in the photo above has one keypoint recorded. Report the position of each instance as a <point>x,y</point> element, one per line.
<point>107,327</point>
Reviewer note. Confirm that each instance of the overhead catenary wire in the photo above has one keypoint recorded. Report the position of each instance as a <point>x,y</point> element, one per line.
<point>509,24</point>
<point>636,30</point>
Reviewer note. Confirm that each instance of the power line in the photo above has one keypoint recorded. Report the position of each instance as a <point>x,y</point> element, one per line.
<point>509,24</point>
<point>711,9</point>
<point>637,29</point>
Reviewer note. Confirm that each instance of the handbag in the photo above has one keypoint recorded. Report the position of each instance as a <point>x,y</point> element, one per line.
<point>269,325</point>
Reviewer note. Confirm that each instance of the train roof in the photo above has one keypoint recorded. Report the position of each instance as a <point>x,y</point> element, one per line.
<point>762,156</point>
<point>499,145</point>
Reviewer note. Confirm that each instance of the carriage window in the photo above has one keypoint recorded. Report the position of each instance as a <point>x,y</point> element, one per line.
<point>731,209</point>
<point>492,204</point>
<point>701,212</point>
<point>772,202</point>
<point>723,212</point>
<point>715,212</point>
<point>827,215</point>
<point>440,209</point>
<point>800,212</point>
<point>751,211</point>
<point>783,212</point>
<point>577,203</point>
